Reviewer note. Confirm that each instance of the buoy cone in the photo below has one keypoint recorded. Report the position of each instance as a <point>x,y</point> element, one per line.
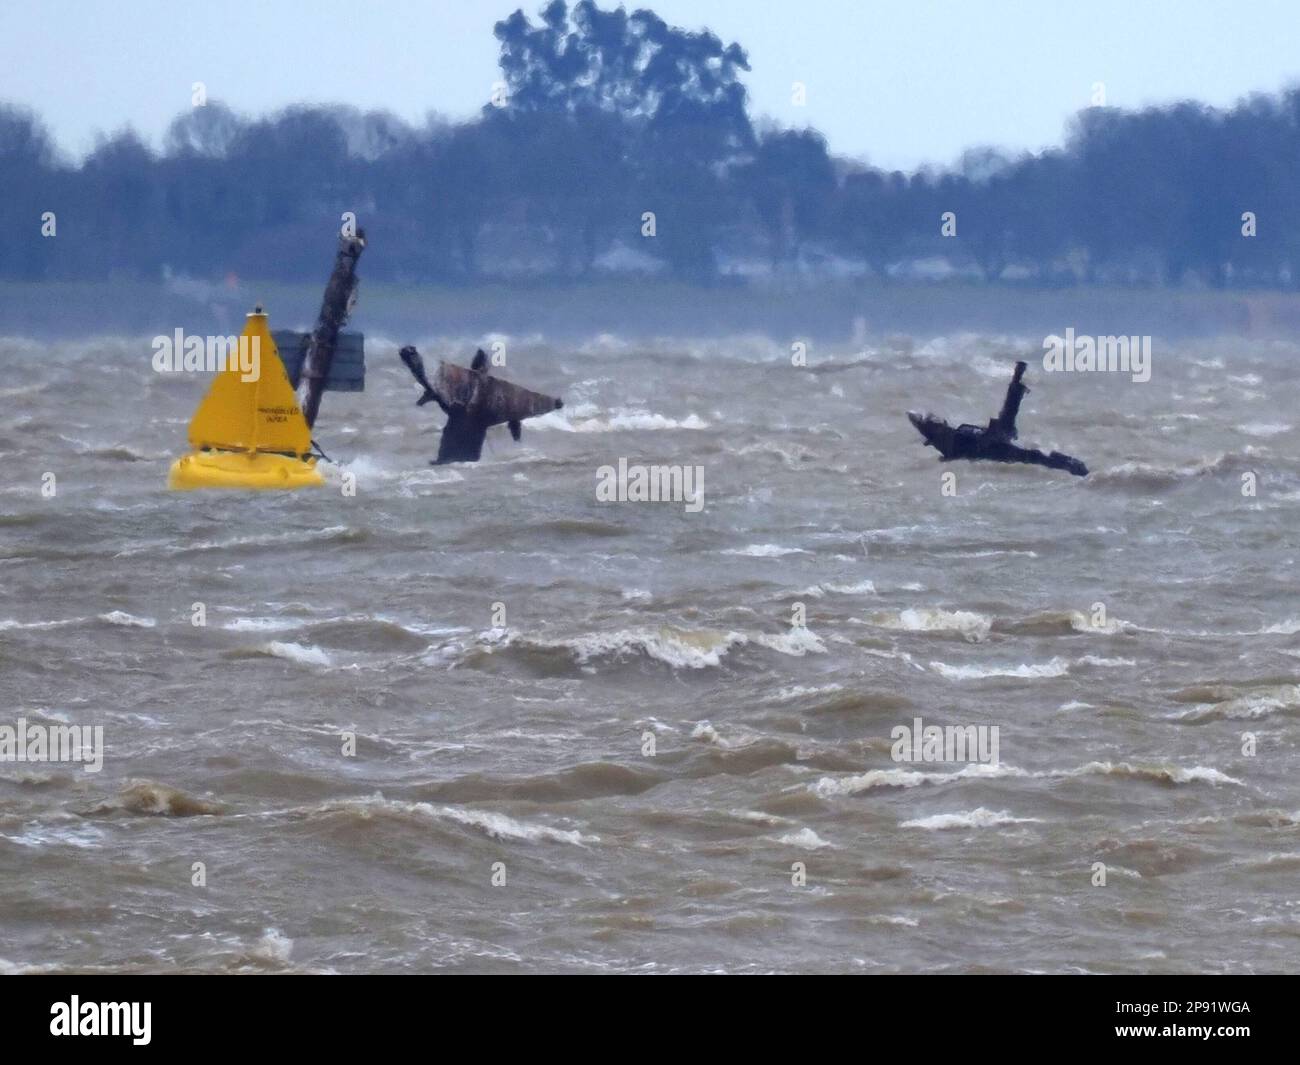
<point>249,431</point>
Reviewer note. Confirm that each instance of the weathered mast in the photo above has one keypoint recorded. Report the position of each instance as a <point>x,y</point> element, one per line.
<point>340,298</point>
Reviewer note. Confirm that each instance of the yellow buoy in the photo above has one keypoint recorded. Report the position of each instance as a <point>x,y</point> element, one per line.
<point>249,431</point>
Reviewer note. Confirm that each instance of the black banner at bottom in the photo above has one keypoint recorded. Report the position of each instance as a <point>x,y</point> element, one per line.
<point>338,1014</point>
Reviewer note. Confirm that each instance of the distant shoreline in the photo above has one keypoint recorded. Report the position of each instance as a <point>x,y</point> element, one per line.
<point>838,313</point>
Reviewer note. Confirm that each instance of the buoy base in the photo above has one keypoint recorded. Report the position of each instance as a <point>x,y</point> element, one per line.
<point>237,469</point>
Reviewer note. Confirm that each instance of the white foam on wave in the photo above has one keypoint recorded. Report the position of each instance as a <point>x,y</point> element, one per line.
<point>1082,623</point>
<point>274,946</point>
<point>364,468</point>
<point>587,418</point>
<point>977,818</point>
<point>1289,627</point>
<point>994,553</point>
<point>798,691</point>
<point>263,624</point>
<point>499,826</point>
<point>1261,703</point>
<point>370,472</point>
<point>817,591</point>
<point>1209,465</point>
<point>797,641</point>
<point>14,623</point>
<point>495,825</point>
<point>855,784</point>
<point>738,738</point>
<point>758,817</point>
<point>1097,660</point>
<point>1057,667</point>
<point>295,652</point>
<point>704,730</point>
<point>78,834</point>
<point>1264,429</point>
<point>987,367</point>
<point>1281,818</point>
<point>805,838</point>
<point>1196,774</point>
<point>765,551</point>
<point>970,625</point>
<point>679,648</point>
<point>121,617</point>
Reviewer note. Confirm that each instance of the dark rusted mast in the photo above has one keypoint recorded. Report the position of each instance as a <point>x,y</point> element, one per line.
<point>340,298</point>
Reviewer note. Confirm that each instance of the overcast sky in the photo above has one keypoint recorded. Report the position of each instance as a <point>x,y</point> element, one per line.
<point>895,82</point>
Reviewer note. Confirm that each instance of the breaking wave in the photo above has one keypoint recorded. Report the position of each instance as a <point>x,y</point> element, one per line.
<point>969,625</point>
<point>495,825</point>
<point>1259,702</point>
<point>765,551</point>
<point>1057,667</point>
<point>148,797</point>
<point>860,588</point>
<point>295,652</point>
<point>805,838</point>
<point>1152,475</point>
<point>676,647</point>
<point>120,617</point>
<point>857,783</point>
<point>977,818</point>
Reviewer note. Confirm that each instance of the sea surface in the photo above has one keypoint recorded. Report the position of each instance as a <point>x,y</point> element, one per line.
<point>592,736</point>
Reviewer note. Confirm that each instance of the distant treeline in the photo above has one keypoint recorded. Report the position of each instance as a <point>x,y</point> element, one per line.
<point>616,142</point>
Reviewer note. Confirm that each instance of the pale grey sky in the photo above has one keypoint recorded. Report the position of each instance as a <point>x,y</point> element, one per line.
<point>897,82</point>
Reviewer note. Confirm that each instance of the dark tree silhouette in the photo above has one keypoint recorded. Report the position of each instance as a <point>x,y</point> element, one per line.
<point>610,114</point>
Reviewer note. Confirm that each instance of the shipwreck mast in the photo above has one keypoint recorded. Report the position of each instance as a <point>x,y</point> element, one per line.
<point>340,298</point>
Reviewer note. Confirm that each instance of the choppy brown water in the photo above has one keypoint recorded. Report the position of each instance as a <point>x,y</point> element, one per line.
<point>522,744</point>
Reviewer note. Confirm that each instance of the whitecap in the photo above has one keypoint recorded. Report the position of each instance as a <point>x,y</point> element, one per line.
<point>1057,667</point>
<point>296,652</point>
<point>120,617</point>
<point>805,838</point>
<point>765,551</point>
<point>977,818</point>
